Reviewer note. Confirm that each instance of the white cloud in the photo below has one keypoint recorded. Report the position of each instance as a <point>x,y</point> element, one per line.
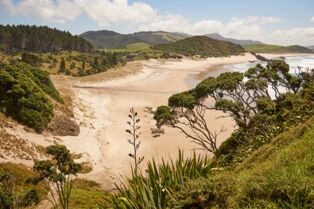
<point>249,27</point>
<point>48,10</point>
<point>106,12</point>
<point>140,16</point>
<point>297,35</point>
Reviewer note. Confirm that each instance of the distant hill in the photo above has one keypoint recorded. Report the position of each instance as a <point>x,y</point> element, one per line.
<point>201,46</point>
<point>40,39</point>
<point>112,40</point>
<point>265,48</point>
<point>235,41</point>
<point>311,48</point>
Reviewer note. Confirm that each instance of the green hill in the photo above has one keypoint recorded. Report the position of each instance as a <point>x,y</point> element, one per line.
<point>201,46</point>
<point>265,48</point>
<point>40,39</point>
<point>112,40</point>
<point>232,40</point>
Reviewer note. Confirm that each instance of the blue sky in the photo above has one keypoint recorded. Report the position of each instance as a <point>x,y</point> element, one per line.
<point>272,21</point>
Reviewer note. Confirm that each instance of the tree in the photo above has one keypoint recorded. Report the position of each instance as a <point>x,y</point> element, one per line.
<point>241,96</point>
<point>58,171</point>
<point>187,115</point>
<point>135,134</point>
<point>62,66</point>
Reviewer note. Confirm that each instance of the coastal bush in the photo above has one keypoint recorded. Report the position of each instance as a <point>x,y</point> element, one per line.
<point>150,190</point>
<point>31,59</point>
<point>277,175</point>
<point>198,46</point>
<point>58,171</point>
<point>15,189</point>
<point>263,102</point>
<point>24,94</point>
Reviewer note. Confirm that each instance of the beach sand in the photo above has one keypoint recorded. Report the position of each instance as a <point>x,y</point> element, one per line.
<point>149,87</point>
<point>102,103</point>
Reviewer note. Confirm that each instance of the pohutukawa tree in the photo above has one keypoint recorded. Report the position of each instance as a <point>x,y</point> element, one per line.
<point>188,115</point>
<point>134,132</point>
<point>240,95</point>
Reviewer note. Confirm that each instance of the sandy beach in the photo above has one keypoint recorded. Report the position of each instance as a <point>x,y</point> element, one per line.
<point>148,87</point>
<point>102,102</point>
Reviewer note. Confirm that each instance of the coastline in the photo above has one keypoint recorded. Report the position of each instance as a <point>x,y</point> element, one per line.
<point>102,108</point>
<point>146,89</point>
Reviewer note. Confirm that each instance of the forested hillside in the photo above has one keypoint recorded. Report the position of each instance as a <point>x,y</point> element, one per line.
<point>242,42</point>
<point>266,48</point>
<point>201,46</point>
<point>40,39</point>
<point>113,40</point>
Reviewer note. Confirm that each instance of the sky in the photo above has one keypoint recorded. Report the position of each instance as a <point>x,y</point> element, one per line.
<point>283,22</point>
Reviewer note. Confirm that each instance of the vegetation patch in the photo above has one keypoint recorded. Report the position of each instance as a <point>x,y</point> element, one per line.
<point>16,188</point>
<point>24,94</point>
<point>39,39</point>
<point>201,46</point>
<point>266,48</point>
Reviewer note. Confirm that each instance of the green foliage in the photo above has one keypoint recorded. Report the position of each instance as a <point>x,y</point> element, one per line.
<point>201,46</point>
<point>212,192</point>
<point>58,171</point>
<point>23,99</point>
<point>86,194</point>
<point>262,101</point>
<point>23,93</point>
<point>278,175</point>
<point>267,164</point>
<point>162,115</point>
<point>150,191</point>
<point>62,66</point>
<point>31,59</point>
<point>265,48</point>
<point>185,99</point>
<point>15,189</point>
<point>129,42</point>
<point>100,61</point>
<point>40,39</point>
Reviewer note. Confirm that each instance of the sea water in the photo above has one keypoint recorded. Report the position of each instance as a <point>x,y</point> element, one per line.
<point>295,62</point>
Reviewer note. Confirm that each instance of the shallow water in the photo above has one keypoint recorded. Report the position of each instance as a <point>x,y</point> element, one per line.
<point>304,61</point>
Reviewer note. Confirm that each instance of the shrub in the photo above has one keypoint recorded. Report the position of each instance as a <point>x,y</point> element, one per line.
<point>23,94</point>
<point>150,191</point>
<point>31,59</point>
